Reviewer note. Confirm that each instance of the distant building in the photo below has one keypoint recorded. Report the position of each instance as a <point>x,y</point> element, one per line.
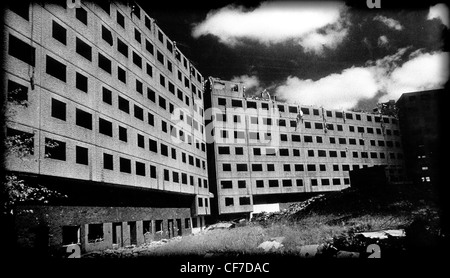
<point>421,125</point>
<point>114,116</point>
<point>267,152</point>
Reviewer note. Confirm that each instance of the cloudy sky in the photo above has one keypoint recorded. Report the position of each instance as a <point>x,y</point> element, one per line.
<point>331,54</point>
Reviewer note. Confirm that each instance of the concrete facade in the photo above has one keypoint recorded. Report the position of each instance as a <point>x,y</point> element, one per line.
<point>264,148</point>
<point>123,105</point>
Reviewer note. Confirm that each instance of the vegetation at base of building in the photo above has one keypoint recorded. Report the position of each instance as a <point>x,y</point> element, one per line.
<point>16,190</point>
<point>333,221</point>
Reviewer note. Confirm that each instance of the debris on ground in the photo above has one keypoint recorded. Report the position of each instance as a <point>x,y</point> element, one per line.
<point>383,234</point>
<point>264,217</point>
<point>220,225</point>
<point>272,244</point>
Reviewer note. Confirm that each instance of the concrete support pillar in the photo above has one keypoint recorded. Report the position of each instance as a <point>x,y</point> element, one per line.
<point>126,234</point>
<point>165,232</point>
<point>140,233</point>
<point>107,234</point>
<point>83,237</point>
<point>119,235</point>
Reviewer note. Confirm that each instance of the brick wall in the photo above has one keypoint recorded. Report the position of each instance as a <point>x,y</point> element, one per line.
<point>40,228</point>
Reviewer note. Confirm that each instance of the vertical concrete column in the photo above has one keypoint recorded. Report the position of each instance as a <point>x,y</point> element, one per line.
<point>165,232</point>
<point>84,237</point>
<point>153,227</point>
<point>107,234</point>
<point>126,240</point>
<point>140,233</point>
<point>119,236</point>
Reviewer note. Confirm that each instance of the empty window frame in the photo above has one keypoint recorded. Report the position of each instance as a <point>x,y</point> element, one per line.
<point>83,49</point>
<point>55,68</point>
<point>273,183</point>
<point>108,163</point>
<point>58,109</point>
<point>17,93</point>
<point>122,48</point>
<point>257,167</point>
<point>81,82</point>
<point>123,134</point>
<point>81,15</point>
<point>124,105</point>
<point>241,167</point>
<point>120,19</point>
<point>55,149</point>
<point>59,33</point>
<point>137,60</point>
<point>81,155</point>
<point>125,165</point>
<point>224,150</point>
<point>107,35</point>
<point>121,74</point>
<point>83,119</point>
<point>286,183</point>
<point>229,201</point>
<point>105,127</point>
<point>21,50</point>
<point>137,35</point>
<point>138,112</point>
<point>104,63</point>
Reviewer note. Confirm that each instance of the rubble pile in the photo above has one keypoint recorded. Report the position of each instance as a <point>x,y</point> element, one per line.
<point>293,209</point>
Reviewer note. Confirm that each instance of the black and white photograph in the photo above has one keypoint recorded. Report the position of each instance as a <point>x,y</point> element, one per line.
<point>224,137</point>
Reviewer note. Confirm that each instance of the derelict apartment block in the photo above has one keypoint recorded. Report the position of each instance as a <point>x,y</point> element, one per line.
<point>265,151</point>
<point>105,98</point>
<point>421,121</point>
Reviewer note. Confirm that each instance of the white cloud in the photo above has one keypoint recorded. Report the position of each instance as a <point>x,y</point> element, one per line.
<point>421,71</point>
<point>313,25</point>
<point>390,22</point>
<point>441,12</point>
<point>316,42</point>
<point>383,41</point>
<point>250,82</point>
<point>337,91</point>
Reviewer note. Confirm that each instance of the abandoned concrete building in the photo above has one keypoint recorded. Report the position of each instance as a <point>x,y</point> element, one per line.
<point>118,119</point>
<point>113,114</point>
<point>421,123</point>
<point>266,153</point>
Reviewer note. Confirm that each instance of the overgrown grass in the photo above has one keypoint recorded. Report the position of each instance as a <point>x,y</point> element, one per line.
<point>333,218</point>
<point>312,229</point>
<point>239,240</point>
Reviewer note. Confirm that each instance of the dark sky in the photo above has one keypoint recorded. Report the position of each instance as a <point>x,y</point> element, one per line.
<point>272,64</point>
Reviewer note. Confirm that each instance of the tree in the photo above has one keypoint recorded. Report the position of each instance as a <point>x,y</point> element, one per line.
<point>21,144</point>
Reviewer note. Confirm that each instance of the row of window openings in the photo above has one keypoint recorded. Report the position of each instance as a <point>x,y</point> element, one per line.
<point>59,33</point>
<point>56,149</point>
<point>26,53</point>
<point>288,167</point>
<point>293,123</point>
<point>84,119</point>
<point>105,128</point>
<point>307,139</point>
<point>305,111</point>
<point>104,63</point>
<point>229,201</point>
<point>228,184</point>
<point>296,152</point>
<point>124,105</point>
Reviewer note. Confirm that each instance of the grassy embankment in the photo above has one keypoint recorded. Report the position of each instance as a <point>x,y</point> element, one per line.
<point>334,216</point>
